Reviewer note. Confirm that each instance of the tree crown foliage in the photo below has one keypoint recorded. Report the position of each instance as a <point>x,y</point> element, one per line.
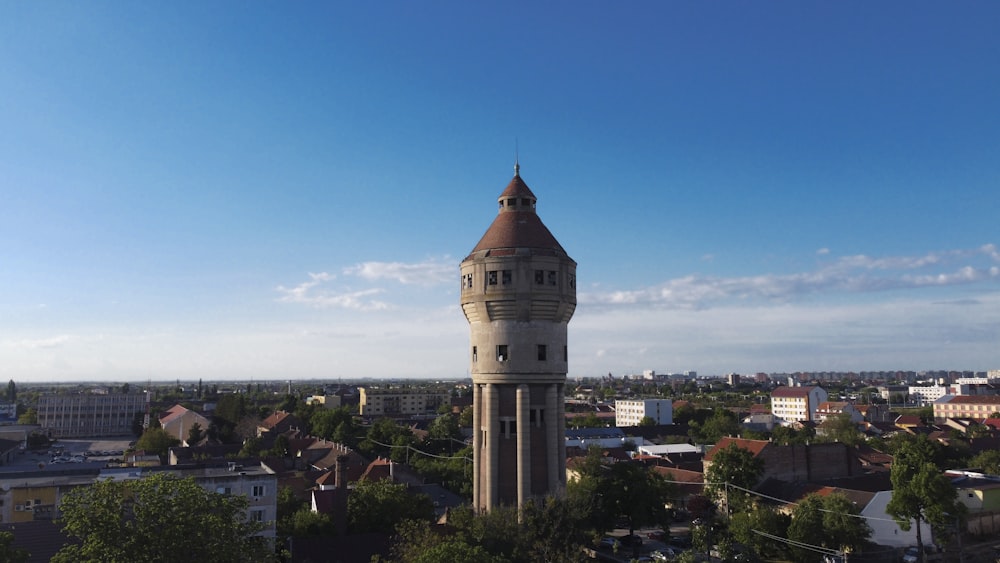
<point>155,519</point>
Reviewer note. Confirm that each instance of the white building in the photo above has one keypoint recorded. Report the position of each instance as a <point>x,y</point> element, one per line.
<point>631,413</point>
<point>796,404</point>
<point>923,395</point>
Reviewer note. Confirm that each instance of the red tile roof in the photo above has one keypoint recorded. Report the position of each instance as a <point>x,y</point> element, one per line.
<point>790,392</point>
<point>753,446</point>
<point>518,227</point>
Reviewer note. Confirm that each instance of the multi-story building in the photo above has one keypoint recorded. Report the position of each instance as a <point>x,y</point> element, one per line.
<point>925,395</point>
<point>37,495</point>
<point>518,294</point>
<point>796,404</point>
<point>396,401</point>
<point>631,412</point>
<point>89,414</point>
<point>976,407</point>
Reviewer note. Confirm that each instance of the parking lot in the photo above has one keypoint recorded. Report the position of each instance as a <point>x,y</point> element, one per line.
<point>73,451</point>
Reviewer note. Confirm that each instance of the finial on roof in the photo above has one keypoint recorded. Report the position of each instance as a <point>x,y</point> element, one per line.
<point>517,165</point>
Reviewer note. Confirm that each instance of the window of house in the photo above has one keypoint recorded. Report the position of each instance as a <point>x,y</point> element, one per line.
<point>502,355</point>
<point>506,277</point>
<point>539,277</point>
<point>256,515</point>
<point>541,352</point>
<point>258,490</point>
<point>491,277</point>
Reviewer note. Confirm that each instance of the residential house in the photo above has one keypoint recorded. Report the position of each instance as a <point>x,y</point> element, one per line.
<point>178,422</point>
<point>827,409</point>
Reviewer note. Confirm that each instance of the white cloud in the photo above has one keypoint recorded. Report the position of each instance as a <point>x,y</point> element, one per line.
<point>314,293</point>
<point>428,272</point>
<point>40,343</point>
<point>823,251</point>
<point>854,274</point>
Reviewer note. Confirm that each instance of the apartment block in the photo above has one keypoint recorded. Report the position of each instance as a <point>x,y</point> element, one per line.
<point>401,401</point>
<point>89,414</point>
<point>631,413</point>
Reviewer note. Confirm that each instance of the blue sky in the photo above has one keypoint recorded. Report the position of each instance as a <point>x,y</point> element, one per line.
<point>272,190</point>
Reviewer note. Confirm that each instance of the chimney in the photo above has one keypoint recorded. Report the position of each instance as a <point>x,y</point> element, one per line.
<point>340,481</point>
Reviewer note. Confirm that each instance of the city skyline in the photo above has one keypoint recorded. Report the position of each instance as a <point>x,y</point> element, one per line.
<point>286,192</point>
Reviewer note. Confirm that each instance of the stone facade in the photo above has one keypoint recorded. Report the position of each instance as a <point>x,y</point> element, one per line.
<point>518,293</point>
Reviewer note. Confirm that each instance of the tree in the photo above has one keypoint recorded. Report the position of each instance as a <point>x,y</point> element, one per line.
<point>841,428</point>
<point>647,421</point>
<point>732,469</point>
<point>29,417</point>
<point>377,506</point>
<point>636,493</point>
<point>744,526</point>
<point>154,519</point>
<point>920,491</point>
<point>831,522</point>
<point>723,422</point>
<point>444,428</point>
<point>156,441</point>
<point>9,553</point>
<point>334,424</point>
<point>988,461</point>
<point>195,435</point>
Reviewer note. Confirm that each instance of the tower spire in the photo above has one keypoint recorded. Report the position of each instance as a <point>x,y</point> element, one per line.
<point>517,164</point>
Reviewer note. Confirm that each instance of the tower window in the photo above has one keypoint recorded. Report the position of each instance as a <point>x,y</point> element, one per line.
<point>526,202</point>
<point>565,353</point>
<point>468,281</point>
<point>502,355</point>
<point>539,277</point>
<point>541,352</point>
<point>491,277</point>
<point>475,354</point>
<point>572,281</point>
<point>553,278</point>
<point>512,202</point>
<point>505,277</point>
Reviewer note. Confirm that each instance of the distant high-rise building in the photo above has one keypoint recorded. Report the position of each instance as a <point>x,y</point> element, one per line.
<point>518,294</point>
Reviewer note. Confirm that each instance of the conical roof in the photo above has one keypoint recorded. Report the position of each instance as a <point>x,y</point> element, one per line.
<point>517,225</point>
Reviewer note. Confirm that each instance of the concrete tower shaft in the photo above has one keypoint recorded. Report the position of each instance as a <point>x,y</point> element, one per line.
<point>518,295</point>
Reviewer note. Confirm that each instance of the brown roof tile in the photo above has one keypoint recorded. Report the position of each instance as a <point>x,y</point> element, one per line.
<point>518,227</point>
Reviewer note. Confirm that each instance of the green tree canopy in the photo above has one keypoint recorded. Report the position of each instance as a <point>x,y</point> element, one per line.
<point>722,423</point>
<point>988,462</point>
<point>636,493</point>
<point>195,435</point>
<point>920,490</point>
<point>377,506</point>
<point>9,553</point>
<point>157,518</point>
<point>156,441</point>
<point>733,468</point>
<point>831,522</point>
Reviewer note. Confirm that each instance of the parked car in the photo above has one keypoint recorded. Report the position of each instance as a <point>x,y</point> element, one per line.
<point>658,535</point>
<point>608,543</point>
